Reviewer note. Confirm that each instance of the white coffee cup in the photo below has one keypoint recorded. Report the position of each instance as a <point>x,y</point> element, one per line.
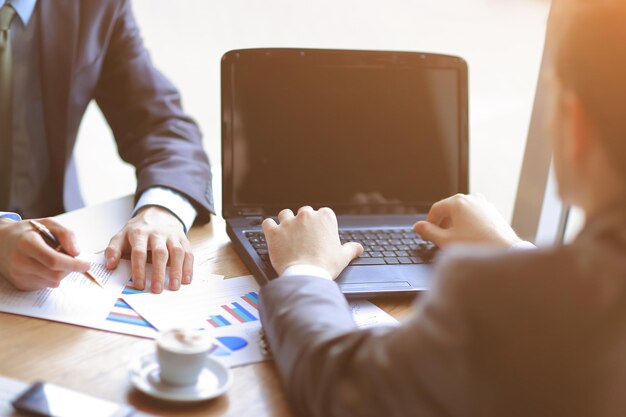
<point>182,354</point>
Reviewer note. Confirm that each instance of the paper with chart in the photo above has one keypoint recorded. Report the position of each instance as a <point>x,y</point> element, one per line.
<point>77,300</point>
<point>231,302</point>
<point>123,319</point>
<point>223,303</point>
<point>229,309</point>
<point>242,344</point>
<point>239,345</point>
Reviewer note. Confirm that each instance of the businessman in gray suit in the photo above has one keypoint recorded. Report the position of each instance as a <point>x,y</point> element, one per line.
<point>55,57</point>
<point>501,332</point>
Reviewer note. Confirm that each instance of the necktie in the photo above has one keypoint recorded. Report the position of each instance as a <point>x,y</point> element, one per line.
<point>7,13</point>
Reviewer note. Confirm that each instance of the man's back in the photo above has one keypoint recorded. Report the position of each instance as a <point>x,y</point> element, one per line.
<point>500,334</point>
<point>545,328</point>
<point>521,333</point>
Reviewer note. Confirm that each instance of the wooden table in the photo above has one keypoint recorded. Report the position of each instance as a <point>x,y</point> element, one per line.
<point>96,362</point>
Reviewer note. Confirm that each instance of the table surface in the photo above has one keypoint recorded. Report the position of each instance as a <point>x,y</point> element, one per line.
<point>96,362</point>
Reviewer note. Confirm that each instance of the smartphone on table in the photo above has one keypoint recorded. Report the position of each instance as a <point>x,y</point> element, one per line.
<point>48,400</point>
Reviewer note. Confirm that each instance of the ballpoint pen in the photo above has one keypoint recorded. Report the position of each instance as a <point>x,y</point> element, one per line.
<point>54,243</point>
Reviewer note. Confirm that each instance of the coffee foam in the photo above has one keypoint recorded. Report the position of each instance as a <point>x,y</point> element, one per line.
<point>185,340</point>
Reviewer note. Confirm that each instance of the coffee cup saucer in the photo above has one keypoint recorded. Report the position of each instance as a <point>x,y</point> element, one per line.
<point>214,380</point>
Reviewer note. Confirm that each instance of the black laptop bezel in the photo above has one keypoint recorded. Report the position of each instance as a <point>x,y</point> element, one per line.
<point>230,209</point>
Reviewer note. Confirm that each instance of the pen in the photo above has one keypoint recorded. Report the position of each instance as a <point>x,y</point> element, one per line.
<point>53,242</point>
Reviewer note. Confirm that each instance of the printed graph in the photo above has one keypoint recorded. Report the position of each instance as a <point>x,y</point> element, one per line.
<point>227,345</point>
<point>131,290</point>
<point>123,313</point>
<point>245,309</point>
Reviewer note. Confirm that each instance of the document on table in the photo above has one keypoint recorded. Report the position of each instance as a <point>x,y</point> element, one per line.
<point>218,304</point>
<point>229,310</point>
<point>239,345</point>
<point>367,315</point>
<point>123,319</point>
<point>77,300</point>
<point>242,344</point>
<point>231,302</point>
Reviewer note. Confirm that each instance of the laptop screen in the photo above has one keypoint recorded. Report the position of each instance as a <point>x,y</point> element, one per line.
<point>360,132</point>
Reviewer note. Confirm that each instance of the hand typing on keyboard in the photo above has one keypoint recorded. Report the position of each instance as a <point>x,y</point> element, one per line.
<point>466,219</point>
<point>389,246</point>
<point>309,238</point>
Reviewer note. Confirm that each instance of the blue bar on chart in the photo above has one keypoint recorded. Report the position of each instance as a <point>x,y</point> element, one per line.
<point>237,312</point>
<point>123,313</point>
<point>130,290</point>
<point>252,299</point>
<point>218,321</point>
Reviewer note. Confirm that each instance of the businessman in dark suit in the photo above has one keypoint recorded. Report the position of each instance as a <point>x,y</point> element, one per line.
<point>502,332</point>
<point>55,57</point>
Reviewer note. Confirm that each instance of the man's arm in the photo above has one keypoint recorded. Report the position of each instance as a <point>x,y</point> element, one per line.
<point>164,144</point>
<point>328,366</point>
<point>145,113</point>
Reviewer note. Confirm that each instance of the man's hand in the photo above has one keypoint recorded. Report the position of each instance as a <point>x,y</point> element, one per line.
<point>29,263</point>
<point>157,229</point>
<point>310,238</point>
<point>466,219</point>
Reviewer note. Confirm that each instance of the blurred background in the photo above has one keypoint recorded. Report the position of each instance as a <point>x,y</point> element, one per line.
<point>502,41</point>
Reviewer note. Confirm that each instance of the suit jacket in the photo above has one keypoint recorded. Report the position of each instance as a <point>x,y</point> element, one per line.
<point>93,50</point>
<point>528,333</point>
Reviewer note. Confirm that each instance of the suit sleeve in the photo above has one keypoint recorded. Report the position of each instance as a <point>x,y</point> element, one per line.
<point>331,368</point>
<point>145,113</point>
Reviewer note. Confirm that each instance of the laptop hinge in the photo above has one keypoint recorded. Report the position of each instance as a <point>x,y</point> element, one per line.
<point>251,212</point>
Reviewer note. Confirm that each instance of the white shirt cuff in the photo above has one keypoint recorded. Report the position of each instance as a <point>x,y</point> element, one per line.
<point>11,216</point>
<point>307,270</point>
<point>523,245</point>
<point>170,200</point>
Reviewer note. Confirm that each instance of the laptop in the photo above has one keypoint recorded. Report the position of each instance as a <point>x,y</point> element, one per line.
<point>376,136</point>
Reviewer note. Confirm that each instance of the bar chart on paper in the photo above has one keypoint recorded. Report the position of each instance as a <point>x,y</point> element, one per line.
<point>229,309</point>
<point>123,313</point>
<point>123,319</point>
<point>233,302</point>
<point>244,310</point>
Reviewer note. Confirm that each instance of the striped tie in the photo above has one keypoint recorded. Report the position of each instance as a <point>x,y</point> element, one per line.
<point>7,13</point>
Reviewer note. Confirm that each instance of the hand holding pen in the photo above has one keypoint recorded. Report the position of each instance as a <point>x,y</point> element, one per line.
<point>52,241</point>
<point>29,263</point>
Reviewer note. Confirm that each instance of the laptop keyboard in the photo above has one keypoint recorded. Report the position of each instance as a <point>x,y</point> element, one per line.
<point>381,247</point>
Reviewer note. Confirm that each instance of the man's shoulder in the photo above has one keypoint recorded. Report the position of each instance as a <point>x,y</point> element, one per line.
<point>92,12</point>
